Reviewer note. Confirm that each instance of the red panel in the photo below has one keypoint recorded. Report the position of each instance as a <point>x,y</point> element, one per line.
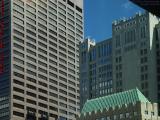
<point>1,36</point>
<point>1,68</point>
<point>2,8</point>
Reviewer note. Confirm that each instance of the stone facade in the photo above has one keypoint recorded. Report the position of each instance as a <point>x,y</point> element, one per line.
<point>132,111</point>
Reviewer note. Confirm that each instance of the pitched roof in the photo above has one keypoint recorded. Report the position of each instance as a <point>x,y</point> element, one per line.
<point>117,99</point>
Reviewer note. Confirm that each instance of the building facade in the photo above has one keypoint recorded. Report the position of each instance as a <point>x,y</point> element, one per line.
<point>134,59</point>
<point>95,69</point>
<point>128,105</point>
<point>157,46</point>
<point>39,59</point>
<point>134,55</point>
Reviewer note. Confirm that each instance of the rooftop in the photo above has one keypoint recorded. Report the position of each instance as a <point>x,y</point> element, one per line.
<point>117,99</point>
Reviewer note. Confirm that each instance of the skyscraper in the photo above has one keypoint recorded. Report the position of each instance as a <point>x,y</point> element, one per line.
<point>134,60</point>
<point>95,69</point>
<point>39,59</point>
<point>134,54</point>
<point>157,47</point>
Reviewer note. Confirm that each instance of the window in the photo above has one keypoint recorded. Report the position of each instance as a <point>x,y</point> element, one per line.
<point>19,2</point>
<point>30,32</point>
<point>18,90</point>
<point>18,75</point>
<point>42,15</point>
<point>31,52</point>
<point>42,26</point>
<point>53,101</point>
<point>18,98</point>
<point>18,106</point>
<point>70,3</point>
<point>135,113</point>
<point>18,26</point>
<point>53,88</point>
<point>18,33</point>
<point>31,39</point>
<point>108,118</point>
<point>42,105</point>
<point>18,8</point>
<point>31,59</point>
<point>31,94</point>
<point>53,94</point>
<point>42,98</point>
<point>63,111</point>
<point>31,9</point>
<point>121,116</point>
<point>31,79</point>
<point>19,40</point>
<point>31,72</point>
<point>61,5</point>
<point>62,13</point>
<point>30,14</point>
<point>31,101</point>
<point>52,4</point>
<point>31,87</point>
<point>53,81</point>
<point>18,60</point>
<point>127,115</point>
<point>18,82</point>
<point>53,108</point>
<point>79,9</point>
<point>52,15</point>
<point>143,32</point>
<point>18,114</point>
<point>16,19</point>
<point>118,41</point>
<point>30,20</point>
<point>146,112</point>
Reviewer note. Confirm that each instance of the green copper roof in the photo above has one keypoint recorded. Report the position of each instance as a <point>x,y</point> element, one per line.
<point>117,99</point>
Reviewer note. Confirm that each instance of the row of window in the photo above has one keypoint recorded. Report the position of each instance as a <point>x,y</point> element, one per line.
<point>4,98</point>
<point>52,6</point>
<point>19,114</point>
<point>52,94</point>
<point>130,36</point>
<point>105,91</point>
<point>39,30</point>
<point>32,58</point>
<point>21,76</point>
<point>61,32</point>
<point>117,117</point>
<point>129,24</point>
<point>17,26</point>
<point>4,115</point>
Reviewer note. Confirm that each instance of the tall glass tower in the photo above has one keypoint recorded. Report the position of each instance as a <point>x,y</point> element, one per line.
<point>39,59</point>
<point>95,69</point>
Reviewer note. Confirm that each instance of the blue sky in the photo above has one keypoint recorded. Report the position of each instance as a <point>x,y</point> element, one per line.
<point>99,15</point>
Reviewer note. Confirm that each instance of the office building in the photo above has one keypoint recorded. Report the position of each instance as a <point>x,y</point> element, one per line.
<point>134,54</point>
<point>134,59</point>
<point>39,59</point>
<point>95,69</point>
<point>157,47</point>
<point>128,105</point>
